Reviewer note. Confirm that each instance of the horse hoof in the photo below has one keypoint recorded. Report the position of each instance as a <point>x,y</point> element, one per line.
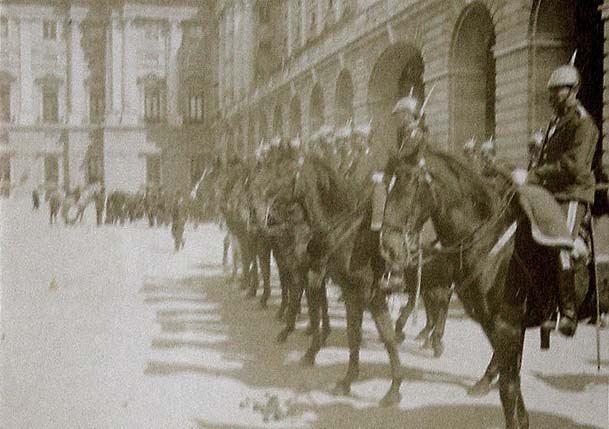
<point>438,349</point>
<point>263,304</point>
<point>250,294</point>
<point>308,359</point>
<point>342,388</point>
<point>309,330</point>
<point>282,337</point>
<point>400,337</point>
<point>391,398</point>
<point>279,315</point>
<point>481,388</point>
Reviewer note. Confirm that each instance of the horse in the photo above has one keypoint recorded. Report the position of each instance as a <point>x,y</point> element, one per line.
<point>436,291</point>
<point>470,216</point>
<point>339,247</point>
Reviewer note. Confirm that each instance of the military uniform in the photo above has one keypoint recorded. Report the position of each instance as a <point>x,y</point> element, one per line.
<point>564,168</point>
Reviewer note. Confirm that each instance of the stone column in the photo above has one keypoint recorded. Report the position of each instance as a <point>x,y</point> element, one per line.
<point>114,106</point>
<point>78,70</point>
<point>131,96</point>
<point>605,127</point>
<point>27,108</point>
<point>174,42</point>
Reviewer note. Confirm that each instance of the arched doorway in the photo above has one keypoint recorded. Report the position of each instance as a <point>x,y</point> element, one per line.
<point>316,109</point>
<point>472,76</point>
<point>278,122</point>
<point>344,99</point>
<point>396,72</point>
<point>295,118</point>
<point>558,27</point>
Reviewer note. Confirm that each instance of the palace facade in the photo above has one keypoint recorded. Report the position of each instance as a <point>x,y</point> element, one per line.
<point>118,92</point>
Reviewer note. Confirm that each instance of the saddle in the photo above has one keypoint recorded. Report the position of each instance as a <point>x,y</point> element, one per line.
<point>548,223</point>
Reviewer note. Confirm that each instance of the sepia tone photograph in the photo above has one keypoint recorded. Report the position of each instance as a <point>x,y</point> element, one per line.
<point>350,214</point>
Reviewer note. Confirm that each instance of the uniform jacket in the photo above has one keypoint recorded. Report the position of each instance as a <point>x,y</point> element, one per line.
<point>565,163</point>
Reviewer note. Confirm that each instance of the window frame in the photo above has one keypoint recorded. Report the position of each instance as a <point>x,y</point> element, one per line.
<point>49,30</point>
<point>44,92</point>
<point>5,97</point>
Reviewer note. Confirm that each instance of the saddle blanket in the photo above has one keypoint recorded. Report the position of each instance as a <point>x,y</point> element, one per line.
<point>548,223</point>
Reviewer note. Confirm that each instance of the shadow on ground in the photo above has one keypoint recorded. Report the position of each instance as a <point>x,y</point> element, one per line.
<point>573,382</point>
<point>431,417</point>
<point>246,334</point>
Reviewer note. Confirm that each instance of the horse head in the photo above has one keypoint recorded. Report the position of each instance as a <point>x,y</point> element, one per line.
<point>439,187</point>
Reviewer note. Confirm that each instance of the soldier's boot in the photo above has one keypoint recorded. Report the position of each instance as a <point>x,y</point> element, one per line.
<point>566,302</point>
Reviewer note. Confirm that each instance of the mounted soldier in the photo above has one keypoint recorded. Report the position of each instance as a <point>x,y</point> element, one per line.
<point>564,168</point>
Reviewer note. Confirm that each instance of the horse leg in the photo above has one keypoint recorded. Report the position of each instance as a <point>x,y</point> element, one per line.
<point>295,296</point>
<point>508,341</point>
<point>354,304</point>
<point>265,269</point>
<point>314,303</point>
<point>325,318</point>
<point>285,279</point>
<point>444,295</point>
<point>431,309</point>
<point>405,312</point>
<point>253,267</point>
<point>382,319</point>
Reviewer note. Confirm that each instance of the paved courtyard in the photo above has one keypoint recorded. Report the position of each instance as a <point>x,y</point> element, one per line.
<point>109,328</point>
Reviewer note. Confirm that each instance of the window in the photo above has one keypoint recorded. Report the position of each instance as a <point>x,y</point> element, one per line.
<point>152,104</point>
<point>5,168</point>
<point>153,170</point>
<point>5,103</point>
<point>49,30</point>
<point>49,105</point>
<point>96,106</point>
<point>3,28</point>
<point>195,108</point>
<point>51,169</point>
<point>94,169</point>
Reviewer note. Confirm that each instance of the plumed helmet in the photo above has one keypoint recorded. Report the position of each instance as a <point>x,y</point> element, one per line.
<point>566,75</point>
<point>470,145</point>
<point>406,104</point>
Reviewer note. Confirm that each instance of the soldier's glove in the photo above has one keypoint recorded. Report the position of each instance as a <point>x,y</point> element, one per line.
<point>580,250</point>
<point>519,176</point>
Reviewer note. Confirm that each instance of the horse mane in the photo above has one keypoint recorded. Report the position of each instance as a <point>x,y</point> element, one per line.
<point>336,194</point>
<point>463,179</point>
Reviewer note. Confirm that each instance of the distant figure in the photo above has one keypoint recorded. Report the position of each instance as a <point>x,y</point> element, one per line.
<point>35,199</point>
<point>178,219</point>
<point>54,204</point>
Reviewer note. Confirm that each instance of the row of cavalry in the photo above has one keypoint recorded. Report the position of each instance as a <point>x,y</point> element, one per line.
<point>311,207</point>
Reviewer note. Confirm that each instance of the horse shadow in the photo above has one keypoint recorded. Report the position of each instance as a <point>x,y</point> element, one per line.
<point>213,317</point>
<point>573,382</point>
<point>428,417</point>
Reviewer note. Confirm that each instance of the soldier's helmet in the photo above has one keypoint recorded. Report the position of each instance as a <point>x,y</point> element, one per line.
<point>565,75</point>
<point>406,104</point>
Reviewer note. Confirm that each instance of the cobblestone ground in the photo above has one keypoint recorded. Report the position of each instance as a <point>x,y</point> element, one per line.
<point>109,328</point>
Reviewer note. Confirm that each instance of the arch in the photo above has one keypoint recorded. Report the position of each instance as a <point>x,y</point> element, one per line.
<point>556,29</point>
<point>295,118</point>
<point>397,70</point>
<point>278,121</point>
<point>316,109</point>
<point>472,76</point>
<point>344,98</point>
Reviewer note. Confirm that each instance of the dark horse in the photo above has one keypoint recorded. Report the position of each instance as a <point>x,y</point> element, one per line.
<point>469,216</point>
<point>339,248</point>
